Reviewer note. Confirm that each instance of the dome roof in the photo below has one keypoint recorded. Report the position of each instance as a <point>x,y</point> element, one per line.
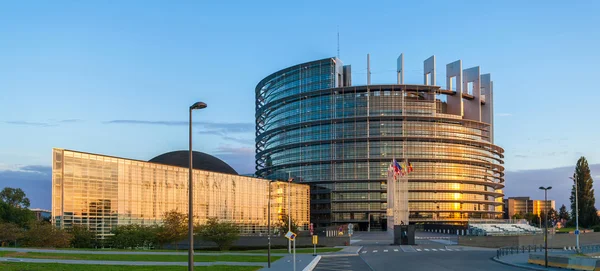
<point>201,161</point>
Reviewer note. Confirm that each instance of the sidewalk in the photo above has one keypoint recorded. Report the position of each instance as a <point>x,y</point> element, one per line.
<point>286,263</point>
<point>520,260</point>
<point>308,262</point>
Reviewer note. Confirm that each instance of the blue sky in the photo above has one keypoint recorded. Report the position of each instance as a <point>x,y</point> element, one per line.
<point>117,77</point>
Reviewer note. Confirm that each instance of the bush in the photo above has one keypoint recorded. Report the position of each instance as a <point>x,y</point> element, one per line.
<point>83,237</point>
<point>133,236</point>
<point>596,228</point>
<point>41,234</point>
<point>224,234</point>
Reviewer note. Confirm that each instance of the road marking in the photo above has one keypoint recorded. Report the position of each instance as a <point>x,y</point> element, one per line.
<point>418,249</point>
<point>385,250</point>
<point>434,249</point>
<point>374,251</point>
<point>364,252</point>
<point>441,249</point>
<point>395,250</point>
<point>449,249</point>
<point>426,249</point>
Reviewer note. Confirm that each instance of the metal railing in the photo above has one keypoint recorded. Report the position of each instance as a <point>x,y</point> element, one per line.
<point>503,251</point>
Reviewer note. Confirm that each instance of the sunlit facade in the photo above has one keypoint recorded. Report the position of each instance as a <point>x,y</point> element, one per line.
<point>525,205</point>
<point>102,192</point>
<point>313,124</point>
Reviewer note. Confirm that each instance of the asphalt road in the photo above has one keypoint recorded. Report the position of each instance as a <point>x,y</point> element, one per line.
<point>429,258</point>
<point>434,251</point>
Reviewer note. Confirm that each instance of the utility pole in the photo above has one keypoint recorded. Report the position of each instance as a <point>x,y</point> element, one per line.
<point>576,212</point>
<point>289,210</point>
<point>546,224</point>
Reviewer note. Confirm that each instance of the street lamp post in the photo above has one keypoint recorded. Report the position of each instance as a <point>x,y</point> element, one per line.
<point>576,212</point>
<point>269,227</point>
<point>546,224</point>
<point>290,179</point>
<point>197,105</point>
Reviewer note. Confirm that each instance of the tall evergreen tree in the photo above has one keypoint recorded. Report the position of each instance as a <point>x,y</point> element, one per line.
<point>585,194</point>
<point>563,214</point>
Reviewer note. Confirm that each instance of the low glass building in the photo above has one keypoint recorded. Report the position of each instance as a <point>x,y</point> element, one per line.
<point>101,192</point>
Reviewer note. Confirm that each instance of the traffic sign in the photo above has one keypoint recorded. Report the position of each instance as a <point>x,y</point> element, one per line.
<point>311,229</point>
<point>576,232</point>
<point>290,235</point>
<point>315,239</point>
<point>350,229</point>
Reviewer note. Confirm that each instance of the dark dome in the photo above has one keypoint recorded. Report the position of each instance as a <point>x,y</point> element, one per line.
<point>201,161</point>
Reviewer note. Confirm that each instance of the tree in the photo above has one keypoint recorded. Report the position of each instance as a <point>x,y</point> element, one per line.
<point>10,233</point>
<point>283,225</point>
<point>585,195</point>
<point>14,197</point>
<point>19,216</point>
<point>173,229</point>
<point>45,235</point>
<point>224,234</point>
<point>563,214</point>
<point>82,237</point>
<point>133,236</point>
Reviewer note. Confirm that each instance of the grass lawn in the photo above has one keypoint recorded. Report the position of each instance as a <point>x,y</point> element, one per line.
<point>298,250</point>
<point>77,267</point>
<point>567,229</point>
<point>283,250</point>
<point>146,258</point>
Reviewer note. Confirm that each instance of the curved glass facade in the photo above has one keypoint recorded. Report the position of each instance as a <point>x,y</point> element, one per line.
<point>312,125</point>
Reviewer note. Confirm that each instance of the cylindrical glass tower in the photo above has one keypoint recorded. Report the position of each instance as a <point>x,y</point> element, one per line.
<point>313,125</point>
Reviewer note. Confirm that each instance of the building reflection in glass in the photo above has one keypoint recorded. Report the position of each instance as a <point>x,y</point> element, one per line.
<point>102,192</point>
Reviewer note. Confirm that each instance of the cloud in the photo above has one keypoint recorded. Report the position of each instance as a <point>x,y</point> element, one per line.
<point>521,155</point>
<point>70,120</point>
<point>527,183</point>
<point>504,115</point>
<point>240,158</point>
<point>29,123</point>
<point>233,127</point>
<point>35,180</point>
<point>223,130</point>
<point>50,123</point>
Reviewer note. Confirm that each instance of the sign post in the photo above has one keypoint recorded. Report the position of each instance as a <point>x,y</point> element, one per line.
<point>292,237</point>
<point>350,231</point>
<point>315,240</point>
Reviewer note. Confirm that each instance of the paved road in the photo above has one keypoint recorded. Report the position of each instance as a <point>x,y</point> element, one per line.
<point>352,263</point>
<point>434,260</point>
<point>434,251</point>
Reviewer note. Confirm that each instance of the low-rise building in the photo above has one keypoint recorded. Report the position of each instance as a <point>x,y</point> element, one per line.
<point>102,192</point>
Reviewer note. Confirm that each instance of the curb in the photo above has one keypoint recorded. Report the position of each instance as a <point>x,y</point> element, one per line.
<point>518,265</point>
<point>339,255</point>
<point>312,264</point>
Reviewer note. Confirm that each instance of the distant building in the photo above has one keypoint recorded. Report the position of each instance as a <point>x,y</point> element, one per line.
<point>102,192</point>
<point>525,205</point>
<point>41,214</point>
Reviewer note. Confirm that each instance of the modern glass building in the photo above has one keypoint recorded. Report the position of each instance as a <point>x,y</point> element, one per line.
<point>101,192</point>
<point>313,125</point>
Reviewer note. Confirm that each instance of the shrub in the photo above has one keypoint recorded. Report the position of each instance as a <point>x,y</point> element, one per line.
<point>224,234</point>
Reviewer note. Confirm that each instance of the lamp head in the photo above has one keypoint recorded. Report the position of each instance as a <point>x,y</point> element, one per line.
<point>198,105</point>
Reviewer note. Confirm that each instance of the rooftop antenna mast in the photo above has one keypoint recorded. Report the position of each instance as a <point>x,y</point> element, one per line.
<point>338,41</point>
